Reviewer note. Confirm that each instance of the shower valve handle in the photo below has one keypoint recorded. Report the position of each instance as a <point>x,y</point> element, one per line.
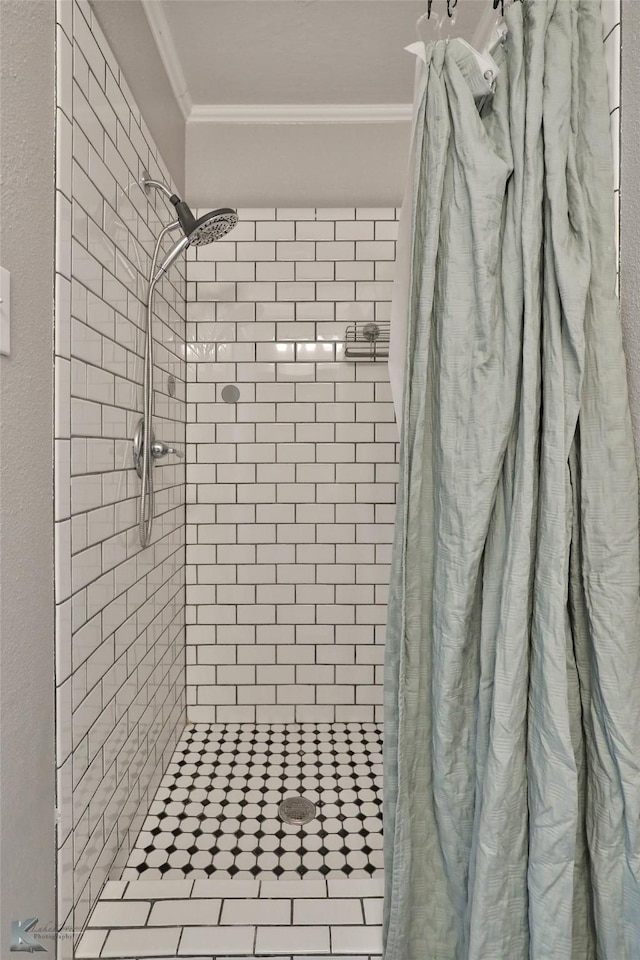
<point>160,449</point>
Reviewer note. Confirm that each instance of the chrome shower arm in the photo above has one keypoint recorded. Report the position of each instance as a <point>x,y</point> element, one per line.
<point>147,182</point>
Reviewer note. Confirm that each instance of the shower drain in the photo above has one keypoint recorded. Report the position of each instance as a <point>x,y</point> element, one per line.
<point>296,810</point>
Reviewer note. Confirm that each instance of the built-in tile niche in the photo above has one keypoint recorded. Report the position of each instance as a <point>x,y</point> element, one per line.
<point>291,490</point>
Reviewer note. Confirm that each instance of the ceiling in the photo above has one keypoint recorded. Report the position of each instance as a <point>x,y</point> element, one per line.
<point>289,102</point>
<point>294,51</point>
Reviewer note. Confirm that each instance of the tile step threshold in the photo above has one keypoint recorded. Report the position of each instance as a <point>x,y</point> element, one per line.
<point>198,953</point>
<point>318,954</point>
<point>138,920</point>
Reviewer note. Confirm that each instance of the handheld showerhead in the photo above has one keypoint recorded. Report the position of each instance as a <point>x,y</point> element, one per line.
<point>172,256</point>
<point>206,229</point>
<point>212,226</point>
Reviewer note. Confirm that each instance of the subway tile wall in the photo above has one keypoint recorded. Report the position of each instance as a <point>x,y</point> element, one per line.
<point>291,490</point>
<point>120,610</point>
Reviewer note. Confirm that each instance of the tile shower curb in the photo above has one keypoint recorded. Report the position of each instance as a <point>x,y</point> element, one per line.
<point>138,919</point>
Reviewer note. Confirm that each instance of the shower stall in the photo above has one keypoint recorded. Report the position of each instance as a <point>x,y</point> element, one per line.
<point>220,615</point>
<point>225,487</point>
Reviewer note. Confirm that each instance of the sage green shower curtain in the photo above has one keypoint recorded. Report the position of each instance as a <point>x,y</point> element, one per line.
<point>512,726</point>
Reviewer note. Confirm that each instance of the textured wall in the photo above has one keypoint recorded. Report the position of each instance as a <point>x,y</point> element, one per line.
<point>290,491</point>
<point>27,799</point>
<point>120,609</point>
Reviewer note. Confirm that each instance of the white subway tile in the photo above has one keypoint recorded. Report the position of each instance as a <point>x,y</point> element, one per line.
<point>278,352</point>
<point>375,213</point>
<point>276,271</point>
<point>343,290</point>
<point>256,251</point>
<point>375,250</point>
<point>337,250</point>
<point>279,230</point>
<point>265,912</point>
<point>326,911</point>
<point>314,270</point>
<point>358,270</point>
<point>295,250</point>
<point>319,230</point>
<point>120,914</point>
<point>354,230</point>
<point>215,940</point>
<point>386,230</point>
<point>256,213</point>
<point>296,213</point>
<point>335,213</point>
<point>275,311</point>
<point>296,291</point>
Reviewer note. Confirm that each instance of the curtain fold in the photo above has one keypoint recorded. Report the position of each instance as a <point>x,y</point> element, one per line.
<point>512,685</point>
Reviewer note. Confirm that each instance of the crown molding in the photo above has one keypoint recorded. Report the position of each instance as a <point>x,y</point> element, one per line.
<point>300,112</point>
<point>257,112</point>
<point>166,48</point>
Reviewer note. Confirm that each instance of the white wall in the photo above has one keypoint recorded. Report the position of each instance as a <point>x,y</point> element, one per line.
<point>294,165</point>
<point>27,783</point>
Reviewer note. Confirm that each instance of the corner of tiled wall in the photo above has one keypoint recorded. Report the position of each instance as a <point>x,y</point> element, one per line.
<point>291,490</point>
<point>119,609</point>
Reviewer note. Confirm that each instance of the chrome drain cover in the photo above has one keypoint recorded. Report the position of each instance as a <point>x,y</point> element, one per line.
<point>296,810</point>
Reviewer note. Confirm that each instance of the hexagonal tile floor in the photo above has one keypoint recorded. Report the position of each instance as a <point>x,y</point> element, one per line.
<point>216,811</point>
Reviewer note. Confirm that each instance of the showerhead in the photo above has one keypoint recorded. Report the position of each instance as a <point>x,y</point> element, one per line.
<point>212,226</point>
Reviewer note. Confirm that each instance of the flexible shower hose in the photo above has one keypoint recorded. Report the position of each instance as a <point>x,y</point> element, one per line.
<point>146,488</point>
